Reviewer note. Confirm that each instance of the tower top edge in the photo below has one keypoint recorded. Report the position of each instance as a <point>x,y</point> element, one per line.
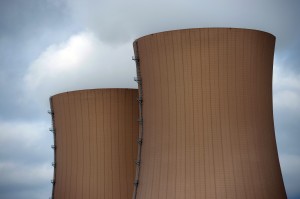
<point>93,90</point>
<point>206,28</point>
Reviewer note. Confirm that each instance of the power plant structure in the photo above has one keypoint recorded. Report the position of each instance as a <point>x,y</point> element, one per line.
<point>201,123</point>
<point>95,143</point>
<point>207,112</point>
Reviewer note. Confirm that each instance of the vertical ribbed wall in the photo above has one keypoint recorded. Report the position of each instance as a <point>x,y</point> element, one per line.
<point>96,133</point>
<point>207,112</point>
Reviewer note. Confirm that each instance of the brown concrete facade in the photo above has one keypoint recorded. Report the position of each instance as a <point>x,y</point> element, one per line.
<point>207,115</point>
<point>95,143</point>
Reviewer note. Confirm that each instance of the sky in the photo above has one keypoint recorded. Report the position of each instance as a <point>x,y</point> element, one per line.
<point>53,46</point>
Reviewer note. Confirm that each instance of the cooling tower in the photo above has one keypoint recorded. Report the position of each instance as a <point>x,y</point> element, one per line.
<point>95,143</point>
<point>207,115</point>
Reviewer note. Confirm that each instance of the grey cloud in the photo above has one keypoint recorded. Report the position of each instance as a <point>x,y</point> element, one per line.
<point>36,191</point>
<point>25,143</point>
<point>28,17</point>
<point>27,28</point>
<point>16,151</point>
<point>286,101</point>
<point>289,56</point>
<point>290,165</point>
<point>29,183</point>
<point>26,157</point>
<point>287,130</point>
<point>121,21</point>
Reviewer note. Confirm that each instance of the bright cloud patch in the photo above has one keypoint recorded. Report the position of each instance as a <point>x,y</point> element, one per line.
<point>286,89</point>
<point>80,63</point>
<point>59,60</point>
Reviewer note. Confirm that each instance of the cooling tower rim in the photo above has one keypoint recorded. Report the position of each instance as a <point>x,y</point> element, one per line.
<point>206,28</point>
<point>93,89</point>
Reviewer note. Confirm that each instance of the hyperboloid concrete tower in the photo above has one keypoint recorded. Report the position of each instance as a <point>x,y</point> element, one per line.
<point>207,129</point>
<point>95,133</point>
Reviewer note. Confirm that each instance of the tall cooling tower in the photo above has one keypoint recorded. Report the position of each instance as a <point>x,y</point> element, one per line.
<point>207,114</point>
<point>95,143</point>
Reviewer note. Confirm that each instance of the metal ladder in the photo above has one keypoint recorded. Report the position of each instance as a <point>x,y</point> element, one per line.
<point>52,129</point>
<point>138,79</point>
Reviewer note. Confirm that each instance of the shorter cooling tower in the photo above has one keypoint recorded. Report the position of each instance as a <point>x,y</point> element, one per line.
<point>95,133</point>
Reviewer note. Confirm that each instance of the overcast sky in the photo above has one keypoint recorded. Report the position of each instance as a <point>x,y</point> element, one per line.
<point>52,46</point>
